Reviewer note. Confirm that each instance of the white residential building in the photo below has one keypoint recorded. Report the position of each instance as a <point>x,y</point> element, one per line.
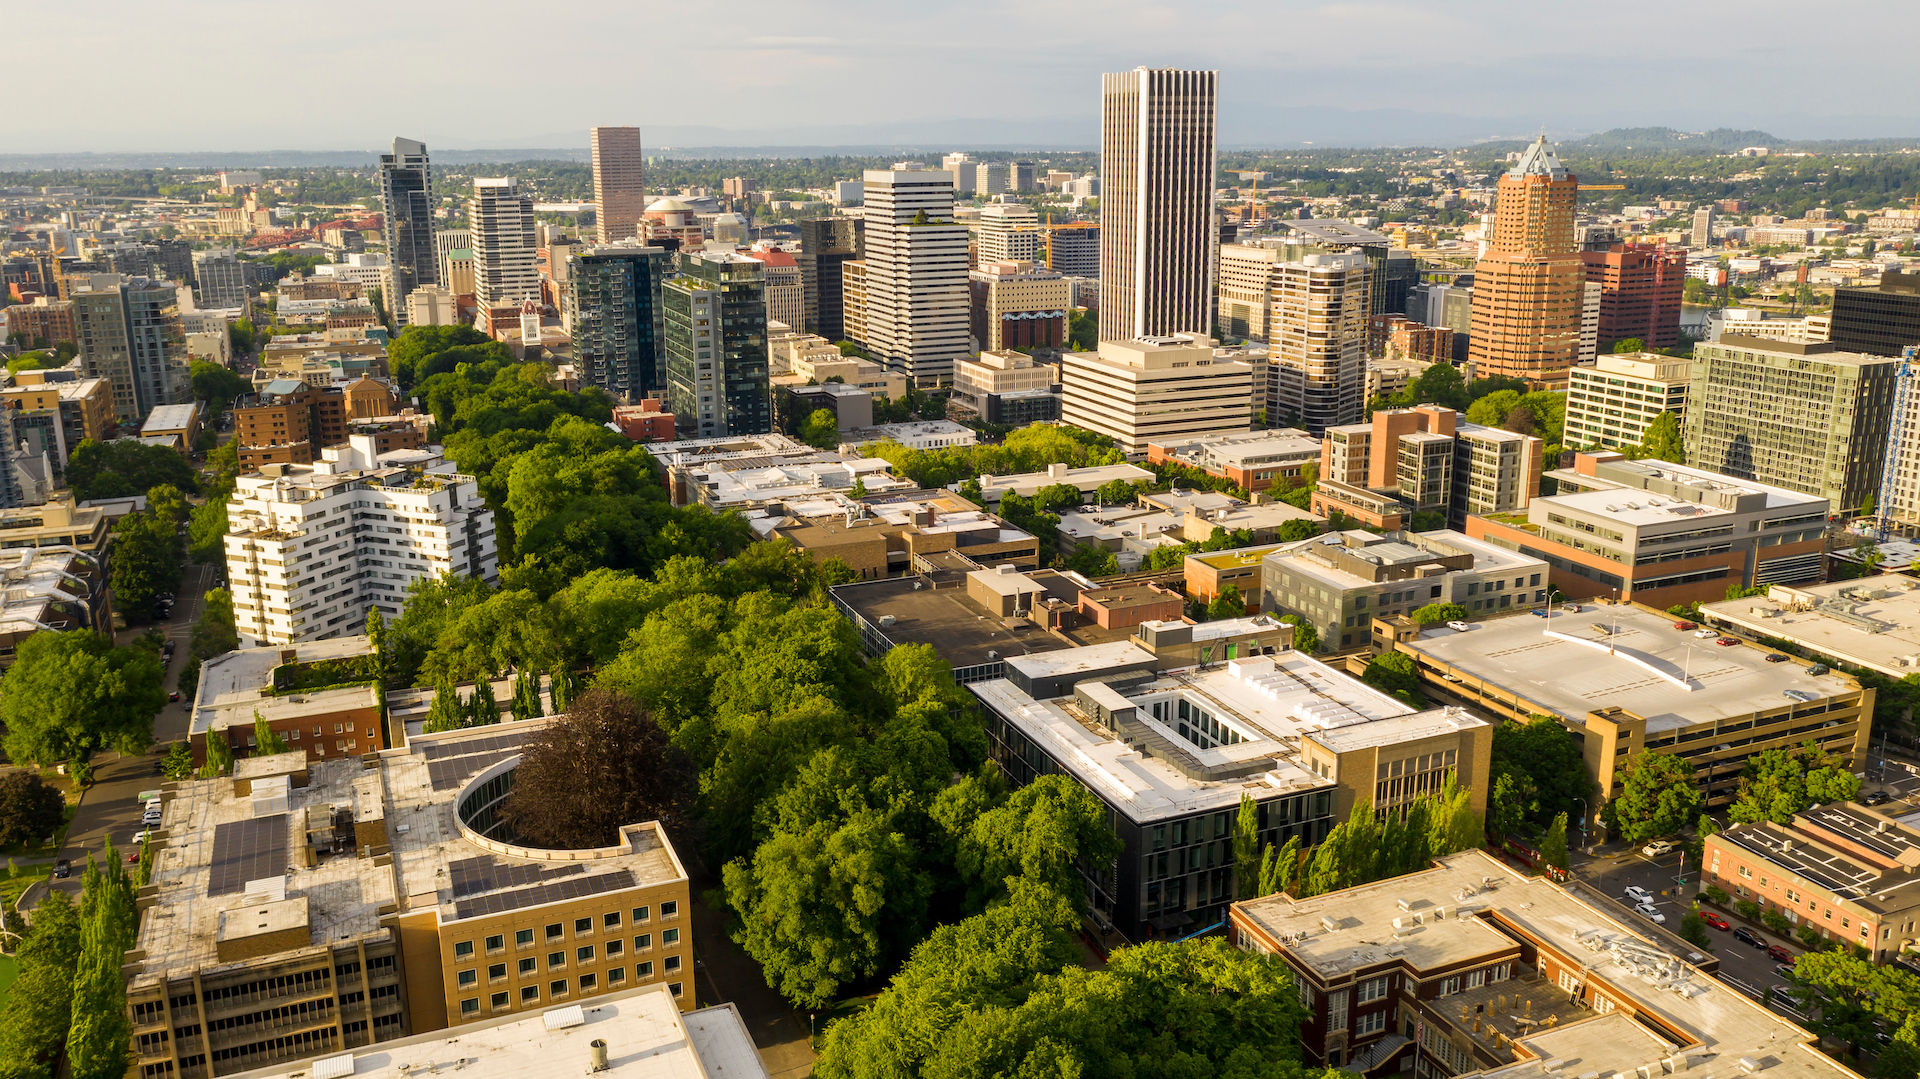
<point>1318,340</point>
<point>907,299</point>
<point>500,220</point>
<point>1009,232</point>
<point>1611,403</point>
<point>1156,208</point>
<point>1162,389</point>
<point>311,547</point>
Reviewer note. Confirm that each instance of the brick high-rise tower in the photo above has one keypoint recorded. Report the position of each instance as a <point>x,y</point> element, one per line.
<point>618,197</point>
<point>1528,288</point>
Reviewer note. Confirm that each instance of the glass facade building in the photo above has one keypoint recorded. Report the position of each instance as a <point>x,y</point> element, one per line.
<point>714,317</point>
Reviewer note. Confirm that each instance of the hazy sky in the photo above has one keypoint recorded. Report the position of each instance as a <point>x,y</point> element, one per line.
<point>120,75</point>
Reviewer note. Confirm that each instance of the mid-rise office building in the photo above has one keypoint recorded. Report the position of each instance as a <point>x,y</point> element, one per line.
<point>1008,232</point>
<point>1022,177</point>
<point>907,300</point>
<point>963,169</point>
<point>1317,343</point>
<point>1879,320</point>
<point>85,404</point>
<point>221,279</point>
<point>1703,227</point>
<point>827,244</point>
<point>130,333</point>
<point>994,372</point>
<point>1611,403</point>
<point>500,220</point>
<point>1407,460</point>
<point>1157,390</point>
<point>1017,305</point>
<point>1808,417</point>
<point>1640,292</point>
<point>785,287</point>
<point>282,591</point>
<point>1528,287</point>
<point>714,325</point>
<point>619,201</point>
<point>406,192</point>
<point>1157,165</point>
<point>1074,249</point>
<point>990,178</point>
<point>614,314</point>
<point>453,253</point>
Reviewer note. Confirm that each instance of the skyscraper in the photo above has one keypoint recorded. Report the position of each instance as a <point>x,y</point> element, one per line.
<point>913,284</point>
<point>406,191</point>
<point>500,221</point>
<point>827,244</point>
<point>1156,203</point>
<point>618,197</point>
<point>131,334</point>
<point>1529,286</point>
<point>1317,344</point>
<point>614,316</point>
<point>1009,232</point>
<point>714,317</point>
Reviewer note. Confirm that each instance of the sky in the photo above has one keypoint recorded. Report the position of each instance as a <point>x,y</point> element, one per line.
<point>193,75</point>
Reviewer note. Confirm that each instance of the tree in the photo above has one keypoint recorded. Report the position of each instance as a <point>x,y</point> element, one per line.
<point>1693,928</point>
<point>146,565</point>
<point>1553,848</point>
<point>1296,530</point>
<point>1549,773</point>
<point>1657,797</point>
<point>447,712</point>
<point>97,1043</point>
<point>1227,604</point>
<point>526,695</point>
<point>1779,783</point>
<point>124,468</point>
<point>1114,493</point>
<point>30,808</point>
<point>604,765</point>
<point>219,756</point>
<point>217,386</point>
<point>39,1006</point>
<point>240,332</point>
<point>483,708</point>
<point>1434,613</point>
<point>1305,637</point>
<point>1040,834</point>
<point>821,430</point>
<point>70,693</point>
<point>1509,803</point>
<point>562,688</point>
<point>1246,848</point>
<point>1662,441</point>
<point>1629,344</point>
<point>266,741</point>
<point>1394,673</point>
<point>178,763</point>
<point>1092,560</point>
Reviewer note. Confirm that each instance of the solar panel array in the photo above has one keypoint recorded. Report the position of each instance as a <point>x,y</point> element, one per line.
<point>247,850</point>
<point>451,764</point>
<point>567,888</point>
<point>472,876</point>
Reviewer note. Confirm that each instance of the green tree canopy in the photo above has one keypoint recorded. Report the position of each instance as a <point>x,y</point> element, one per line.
<point>1548,774</point>
<point>146,564</point>
<point>1395,673</point>
<point>30,808</point>
<point>1434,613</point>
<point>1305,637</point>
<point>123,468</point>
<point>1778,783</point>
<point>821,430</point>
<point>217,386</point>
<point>1039,834</point>
<point>1662,440</point>
<point>1657,797</point>
<point>69,693</point>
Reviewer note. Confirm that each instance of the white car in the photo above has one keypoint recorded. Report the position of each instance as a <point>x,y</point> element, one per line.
<point>1458,626</point>
<point>1637,895</point>
<point>1658,847</point>
<point>140,837</point>
<point>1703,634</point>
<point>1646,911</point>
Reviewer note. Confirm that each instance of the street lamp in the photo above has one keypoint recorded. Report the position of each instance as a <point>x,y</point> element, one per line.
<point>1583,824</point>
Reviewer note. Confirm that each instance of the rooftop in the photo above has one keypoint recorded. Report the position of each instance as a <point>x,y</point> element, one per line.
<point>1623,656</point>
<point>964,633</point>
<point>233,685</point>
<point>39,589</point>
<point>1315,557</point>
<point>1873,622</point>
<point>1027,484</point>
<point>1244,450</point>
<point>1852,851</point>
<point>645,1036</point>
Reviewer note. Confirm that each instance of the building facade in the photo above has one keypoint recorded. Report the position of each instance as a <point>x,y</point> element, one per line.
<point>1157,167</point>
<point>1318,335</point>
<point>1611,403</point>
<point>714,321</point>
<point>1156,390</point>
<point>131,334</point>
<point>1640,293</point>
<point>827,244</point>
<point>784,285</point>
<point>1016,305</point>
<point>618,198</point>
<point>406,192</point>
<point>221,279</point>
<point>1407,460</point>
<point>1882,320</point>
<point>1529,285</point>
<point>911,307</point>
<point>1008,232</point>
<point>615,317</point>
<point>500,220</point>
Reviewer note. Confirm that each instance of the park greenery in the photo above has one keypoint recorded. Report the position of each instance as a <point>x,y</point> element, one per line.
<point>69,694</point>
<point>31,809</point>
<point>123,468</point>
<point>70,1000</point>
<point>1778,783</point>
<point>1539,777</point>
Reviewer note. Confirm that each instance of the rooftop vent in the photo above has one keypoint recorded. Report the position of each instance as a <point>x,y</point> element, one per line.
<point>1329,924</point>
<point>333,1067</point>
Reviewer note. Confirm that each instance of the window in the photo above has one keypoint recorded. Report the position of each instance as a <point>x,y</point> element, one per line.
<point>557,988</point>
<point>583,955</point>
<point>556,931</point>
<point>499,1001</point>
<point>523,936</point>
<point>528,966</point>
<point>612,919</point>
<point>556,959</point>
<point>639,914</point>
<point>582,926</point>
<point>470,1006</point>
<point>496,943</point>
<point>529,993</point>
<point>1569,982</point>
<point>674,989</point>
<point>1450,986</point>
<point>669,937</point>
<point>1336,1011</point>
<point>463,950</point>
<point>1476,978</point>
<point>672,964</point>
<point>1372,990</point>
<point>1500,972</point>
<point>587,981</point>
<point>644,970</point>
<point>669,909</point>
<point>643,942</point>
<point>615,947</point>
<point>1371,1023</point>
<point>496,970</point>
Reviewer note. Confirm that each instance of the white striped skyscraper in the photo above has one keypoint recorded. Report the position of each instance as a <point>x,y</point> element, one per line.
<point>1158,239</point>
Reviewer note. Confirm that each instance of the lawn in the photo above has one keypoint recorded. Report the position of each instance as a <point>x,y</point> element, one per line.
<point>11,886</point>
<point>9,970</point>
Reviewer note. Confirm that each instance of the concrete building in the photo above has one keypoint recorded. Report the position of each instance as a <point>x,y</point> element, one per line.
<point>1157,165</point>
<point>1623,680</point>
<point>1810,418</point>
<point>963,169</point>
<point>500,219</point>
<point>1008,232</point>
<point>406,193</point>
<point>1204,515</point>
<point>453,252</point>
<point>904,532</point>
<point>1528,286</point>
<point>1425,459</point>
<point>1255,719</point>
<point>1088,480</point>
<point>714,327</point>
<point>619,201</point>
<point>1161,389</point>
<point>1640,293</point>
<point>58,523</point>
<point>280,593</point>
<point>181,422</point>
<point>1246,290</point>
<point>1341,581</point>
<point>1016,305</point>
<point>785,288</point>
<point>827,244</point>
<point>130,334</point>
<point>915,435</point>
<point>1611,403</point>
<point>1702,227</point>
<point>51,589</point>
<point>614,314</point>
<point>336,703</point>
<point>42,323</point>
<point>431,305</point>
<point>907,301</point>
<point>85,404</point>
<point>1661,534</point>
<point>1881,320</point>
<point>1074,249</point>
<point>748,471</point>
<point>1873,623</point>
<point>1252,461</point>
<point>1475,968</point>
<point>999,372</point>
<point>220,279</point>
<point>387,924</point>
<point>1317,341</point>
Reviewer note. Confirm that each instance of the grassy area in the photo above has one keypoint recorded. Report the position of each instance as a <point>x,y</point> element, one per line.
<point>12,886</point>
<point>9,970</point>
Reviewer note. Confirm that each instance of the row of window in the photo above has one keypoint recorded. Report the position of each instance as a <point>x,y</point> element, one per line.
<point>558,989</point>
<point>582,927</point>
<point>614,949</point>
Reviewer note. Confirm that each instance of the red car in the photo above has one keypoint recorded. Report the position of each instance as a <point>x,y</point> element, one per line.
<point>1726,642</point>
<point>1714,920</point>
<point>1685,625</point>
<point>1780,953</point>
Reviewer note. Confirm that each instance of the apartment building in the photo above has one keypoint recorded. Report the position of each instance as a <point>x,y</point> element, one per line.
<point>1157,167</point>
<point>51,589</point>
<point>1424,458</point>
<point>500,223</point>
<point>1611,403</point>
<point>714,325</point>
<point>85,404</point>
<point>1661,534</point>
<point>1809,417</point>
<point>1016,305</point>
<point>301,908</point>
<point>453,255</point>
<point>1317,342</point>
<point>220,279</point>
<point>1640,290</point>
<point>1475,968</point>
<point>613,312</point>
<point>383,528</point>
<point>1160,389</point>
<point>1252,460</point>
<point>131,334</point>
<point>1008,232</point>
<point>1341,581</point>
<point>42,323</point>
<point>907,299</point>
<point>290,421</point>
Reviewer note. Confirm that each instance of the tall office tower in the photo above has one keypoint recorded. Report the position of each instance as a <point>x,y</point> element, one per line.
<point>1317,348</point>
<point>914,279</point>
<point>964,170</point>
<point>453,253</point>
<point>618,197</point>
<point>1703,227</point>
<point>501,221</point>
<point>406,191</point>
<point>1882,319</point>
<point>1640,293</point>
<point>992,178</point>
<point>1075,250</point>
<point>1009,232</point>
<point>131,334</point>
<point>1527,287</point>
<point>222,279</point>
<point>613,311</point>
<point>1023,177</point>
<point>714,317</point>
<point>1156,203</point>
<point>827,244</point>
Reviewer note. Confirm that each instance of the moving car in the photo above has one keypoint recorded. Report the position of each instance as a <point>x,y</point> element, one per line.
<point>1686,625</point>
<point>1571,608</point>
<point>1703,634</point>
<point>1780,952</point>
<point>1539,613</point>
<point>62,869</point>
<point>1877,798</point>
<point>1637,894</point>
<point>1458,626</point>
<point>1646,910</point>
<point>1748,936</point>
<point>1714,920</point>
<point>173,695</point>
<point>1658,847</point>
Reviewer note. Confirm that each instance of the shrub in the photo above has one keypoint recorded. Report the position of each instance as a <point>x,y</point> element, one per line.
<point>1713,894</point>
<point>1776,921</point>
<point>1748,909</point>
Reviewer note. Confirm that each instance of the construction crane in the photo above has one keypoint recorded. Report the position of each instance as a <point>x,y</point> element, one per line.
<point>1603,187</point>
<point>1890,457</point>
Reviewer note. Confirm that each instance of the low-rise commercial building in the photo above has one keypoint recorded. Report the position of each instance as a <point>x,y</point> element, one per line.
<point>1002,372</point>
<point>1623,680</point>
<point>318,696</point>
<point>1125,606</point>
<point>913,532</point>
<point>58,523</point>
<point>749,471</point>
<point>1157,390</point>
<point>1611,402</point>
<point>1873,623</point>
<point>1662,534</point>
<point>974,617</point>
<point>1340,582</point>
<point>1203,515</point>
<point>1088,480</point>
<point>1251,460</point>
<point>1207,575</point>
<point>175,421</point>
<point>914,435</point>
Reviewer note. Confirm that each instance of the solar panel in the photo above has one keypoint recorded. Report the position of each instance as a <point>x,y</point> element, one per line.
<point>472,876</point>
<point>559,891</point>
<point>469,746</point>
<point>247,850</point>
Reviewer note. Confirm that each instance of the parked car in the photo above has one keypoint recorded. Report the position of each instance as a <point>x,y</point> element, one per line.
<point>1458,626</point>
<point>1817,669</point>
<point>1748,936</point>
<point>1539,612</point>
<point>1686,625</point>
<point>1571,608</point>
<point>1703,634</point>
<point>1636,894</point>
<point>168,649</point>
<point>62,869</point>
<point>1726,642</point>
<point>140,836</point>
<point>1776,657</point>
<point>1647,911</point>
<point>1784,969</point>
<point>1877,798</point>
<point>1714,920</point>
<point>1780,952</point>
<point>1658,847</point>
<point>173,695</point>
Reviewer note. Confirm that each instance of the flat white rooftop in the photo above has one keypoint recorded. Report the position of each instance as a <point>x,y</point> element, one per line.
<point>1873,622</point>
<point>1027,483</point>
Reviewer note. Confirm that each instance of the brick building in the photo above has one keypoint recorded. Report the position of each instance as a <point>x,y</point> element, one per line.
<point>1640,290</point>
<point>289,421</point>
<point>1126,606</point>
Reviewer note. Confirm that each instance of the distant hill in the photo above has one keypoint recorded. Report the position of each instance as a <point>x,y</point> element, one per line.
<point>1719,140</point>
